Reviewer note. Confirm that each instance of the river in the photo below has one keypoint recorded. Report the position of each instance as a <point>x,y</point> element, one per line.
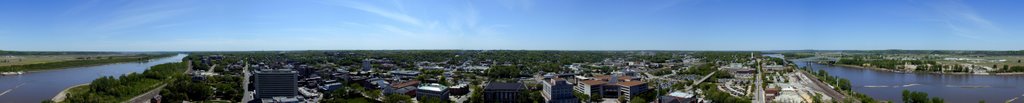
<point>34,87</point>
<point>884,85</point>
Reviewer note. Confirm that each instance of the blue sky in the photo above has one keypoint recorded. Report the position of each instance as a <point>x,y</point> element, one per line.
<point>205,25</point>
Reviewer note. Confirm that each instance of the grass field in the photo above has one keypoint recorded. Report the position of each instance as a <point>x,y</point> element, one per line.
<point>8,60</point>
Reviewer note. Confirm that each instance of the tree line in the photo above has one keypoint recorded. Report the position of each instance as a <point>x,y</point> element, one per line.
<point>109,88</point>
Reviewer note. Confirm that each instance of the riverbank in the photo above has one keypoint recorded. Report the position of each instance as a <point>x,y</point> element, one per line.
<point>896,71</point>
<point>136,87</point>
<point>63,94</point>
<point>78,63</point>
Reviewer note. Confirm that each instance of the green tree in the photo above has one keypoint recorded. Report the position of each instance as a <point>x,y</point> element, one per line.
<point>919,97</point>
<point>397,98</point>
<point>816,98</point>
<point>938,100</point>
<point>596,97</point>
<point>638,100</point>
<point>622,99</point>
<point>582,97</point>
<point>477,95</point>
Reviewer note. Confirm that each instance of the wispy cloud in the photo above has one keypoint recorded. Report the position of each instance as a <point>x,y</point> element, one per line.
<point>673,3</point>
<point>963,21</point>
<point>137,20</point>
<point>459,28</point>
<point>81,7</point>
<point>132,15</point>
<point>398,16</point>
<point>463,21</point>
<point>517,4</point>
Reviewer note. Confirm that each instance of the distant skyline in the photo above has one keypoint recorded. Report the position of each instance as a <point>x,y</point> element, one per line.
<point>243,25</point>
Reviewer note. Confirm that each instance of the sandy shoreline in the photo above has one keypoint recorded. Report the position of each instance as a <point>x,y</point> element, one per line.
<point>63,94</point>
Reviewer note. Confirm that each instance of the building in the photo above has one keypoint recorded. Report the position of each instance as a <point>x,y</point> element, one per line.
<point>459,89</point>
<point>366,66</point>
<point>789,95</point>
<point>294,99</point>
<point>612,86</point>
<point>432,91</point>
<point>591,87</point>
<point>775,67</point>
<point>406,88</point>
<point>557,90</point>
<point>742,72</point>
<point>503,92</point>
<point>679,97</point>
<point>276,83</point>
<point>405,74</point>
<point>632,88</point>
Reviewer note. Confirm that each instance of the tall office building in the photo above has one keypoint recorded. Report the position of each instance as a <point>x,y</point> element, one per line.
<point>367,66</point>
<point>557,90</point>
<point>276,83</point>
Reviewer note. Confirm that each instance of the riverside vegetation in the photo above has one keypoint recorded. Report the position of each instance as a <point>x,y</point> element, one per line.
<point>78,63</point>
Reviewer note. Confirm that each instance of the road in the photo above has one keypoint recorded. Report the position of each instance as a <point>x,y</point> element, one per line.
<point>144,98</point>
<point>247,95</point>
<point>759,95</point>
<point>211,69</point>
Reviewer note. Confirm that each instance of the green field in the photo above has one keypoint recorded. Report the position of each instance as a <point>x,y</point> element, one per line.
<point>9,60</point>
<point>46,62</point>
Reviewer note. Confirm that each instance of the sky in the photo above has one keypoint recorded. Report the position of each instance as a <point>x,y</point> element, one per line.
<point>242,25</point>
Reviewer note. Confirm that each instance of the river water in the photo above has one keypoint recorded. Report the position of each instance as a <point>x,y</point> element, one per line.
<point>884,85</point>
<point>34,87</point>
